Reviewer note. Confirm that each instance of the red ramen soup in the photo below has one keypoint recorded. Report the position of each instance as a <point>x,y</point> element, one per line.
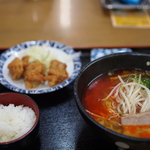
<point>120,101</point>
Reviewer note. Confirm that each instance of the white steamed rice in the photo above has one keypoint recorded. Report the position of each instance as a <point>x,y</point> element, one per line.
<point>15,121</point>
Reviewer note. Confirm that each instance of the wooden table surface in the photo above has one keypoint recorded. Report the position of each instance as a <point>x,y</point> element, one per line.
<point>77,23</point>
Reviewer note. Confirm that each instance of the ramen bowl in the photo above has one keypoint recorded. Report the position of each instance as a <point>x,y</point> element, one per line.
<point>101,66</point>
<point>19,122</point>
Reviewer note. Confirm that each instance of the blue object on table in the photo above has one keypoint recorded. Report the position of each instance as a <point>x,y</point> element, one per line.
<point>131,2</point>
<point>96,53</point>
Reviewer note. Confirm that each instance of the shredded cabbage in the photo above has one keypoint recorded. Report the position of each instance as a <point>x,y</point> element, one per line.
<point>46,54</point>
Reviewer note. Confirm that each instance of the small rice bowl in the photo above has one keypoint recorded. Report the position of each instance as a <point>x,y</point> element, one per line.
<point>15,121</point>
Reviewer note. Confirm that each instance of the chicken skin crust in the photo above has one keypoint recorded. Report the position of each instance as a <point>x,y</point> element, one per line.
<point>16,68</point>
<point>34,74</point>
<point>57,72</point>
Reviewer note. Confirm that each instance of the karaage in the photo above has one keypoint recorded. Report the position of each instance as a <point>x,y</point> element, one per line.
<point>25,61</point>
<point>16,68</point>
<point>57,72</point>
<point>34,74</point>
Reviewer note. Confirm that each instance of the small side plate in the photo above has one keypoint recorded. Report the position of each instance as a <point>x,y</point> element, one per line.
<point>73,66</point>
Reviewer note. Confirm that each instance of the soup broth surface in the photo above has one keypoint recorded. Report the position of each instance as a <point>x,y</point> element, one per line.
<point>114,96</point>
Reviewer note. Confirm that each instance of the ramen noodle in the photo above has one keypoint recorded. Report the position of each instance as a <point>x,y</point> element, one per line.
<point>120,101</point>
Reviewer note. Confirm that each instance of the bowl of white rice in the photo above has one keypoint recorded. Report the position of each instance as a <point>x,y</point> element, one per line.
<point>19,120</point>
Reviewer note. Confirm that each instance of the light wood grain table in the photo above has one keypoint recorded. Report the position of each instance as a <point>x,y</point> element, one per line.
<point>77,23</point>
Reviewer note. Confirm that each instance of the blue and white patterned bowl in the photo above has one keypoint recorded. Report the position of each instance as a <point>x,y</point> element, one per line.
<point>17,51</point>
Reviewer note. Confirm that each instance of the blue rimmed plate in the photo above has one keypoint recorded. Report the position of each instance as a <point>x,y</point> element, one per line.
<point>61,50</point>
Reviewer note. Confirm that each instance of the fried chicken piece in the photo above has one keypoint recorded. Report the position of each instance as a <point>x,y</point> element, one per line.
<point>16,68</point>
<point>34,74</point>
<point>25,61</point>
<point>53,80</point>
<point>57,72</point>
<point>31,84</point>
